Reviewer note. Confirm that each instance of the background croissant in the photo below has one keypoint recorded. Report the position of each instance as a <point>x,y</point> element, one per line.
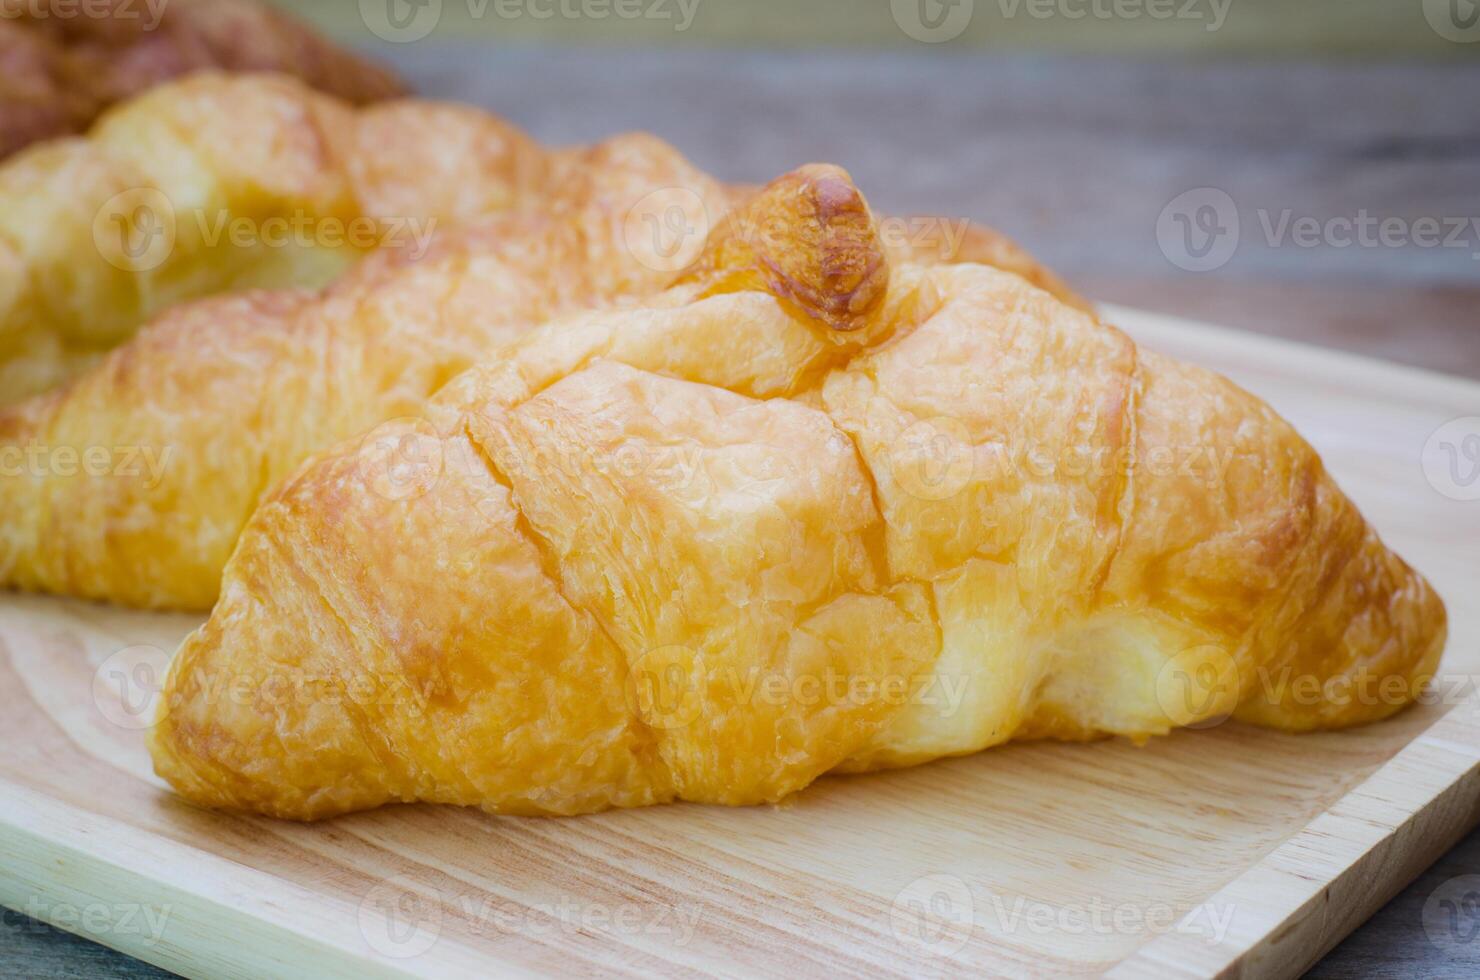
<point>216,401</point>
<point>99,232</point>
<point>59,70</point>
<point>716,546</point>
<point>224,397</point>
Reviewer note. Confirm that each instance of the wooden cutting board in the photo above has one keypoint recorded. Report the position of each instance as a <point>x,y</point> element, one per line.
<point>1214,850</point>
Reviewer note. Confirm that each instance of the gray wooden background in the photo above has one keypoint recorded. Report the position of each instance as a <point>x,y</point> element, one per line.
<point>1080,159</point>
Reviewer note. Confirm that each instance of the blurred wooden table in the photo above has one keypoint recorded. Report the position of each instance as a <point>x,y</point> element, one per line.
<point>1079,159</point>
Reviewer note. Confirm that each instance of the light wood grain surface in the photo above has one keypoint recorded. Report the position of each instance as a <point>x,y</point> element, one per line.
<point>1078,158</point>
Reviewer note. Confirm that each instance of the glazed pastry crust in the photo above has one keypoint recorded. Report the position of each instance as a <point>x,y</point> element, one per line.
<point>225,396</point>
<point>98,233</point>
<point>214,402</point>
<point>60,68</point>
<point>710,548</point>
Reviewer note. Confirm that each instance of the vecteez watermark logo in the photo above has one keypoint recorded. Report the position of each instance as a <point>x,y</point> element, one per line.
<point>128,690</point>
<point>936,459</point>
<point>674,925</point>
<point>661,690</point>
<point>398,920</point>
<point>1198,230</point>
<point>405,21</point>
<point>128,685</point>
<point>1451,917</point>
<point>146,464</point>
<point>934,914</point>
<point>400,459</point>
<point>932,21</point>
<point>933,459</point>
<point>401,21</point>
<point>938,914</point>
<point>137,230</point>
<point>1198,688</point>
<point>109,922</point>
<point>1451,458</point>
<point>667,687</point>
<point>405,458</point>
<point>1202,686</point>
<point>1097,916</point>
<point>401,918</point>
<point>666,229</point>
<point>1201,229</point>
<point>146,13</point>
<point>938,21</point>
<point>1210,15</point>
<point>1454,20</point>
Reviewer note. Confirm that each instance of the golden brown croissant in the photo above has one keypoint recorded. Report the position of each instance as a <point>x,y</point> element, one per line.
<point>225,182</point>
<point>216,401</point>
<point>61,65</point>
<point>810,510</point>
<point>213,403</point>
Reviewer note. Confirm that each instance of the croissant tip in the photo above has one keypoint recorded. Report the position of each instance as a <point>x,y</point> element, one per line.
<point>831,184</point>
<point>851,274</point>
<point>811,239</point>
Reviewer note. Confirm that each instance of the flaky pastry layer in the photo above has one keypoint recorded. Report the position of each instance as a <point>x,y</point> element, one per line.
<point>132,483</point>
<point>714,546</point>
<point>226,182</point>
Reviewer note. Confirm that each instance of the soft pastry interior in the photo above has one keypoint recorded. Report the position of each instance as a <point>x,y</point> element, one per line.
<point>225,182</point>
<point>720,543</point>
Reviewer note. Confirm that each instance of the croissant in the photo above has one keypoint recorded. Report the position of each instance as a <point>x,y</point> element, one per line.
<point>814,508</point>
<point>225,182</point>
<point>216,401</point>
<point>63,66</point>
